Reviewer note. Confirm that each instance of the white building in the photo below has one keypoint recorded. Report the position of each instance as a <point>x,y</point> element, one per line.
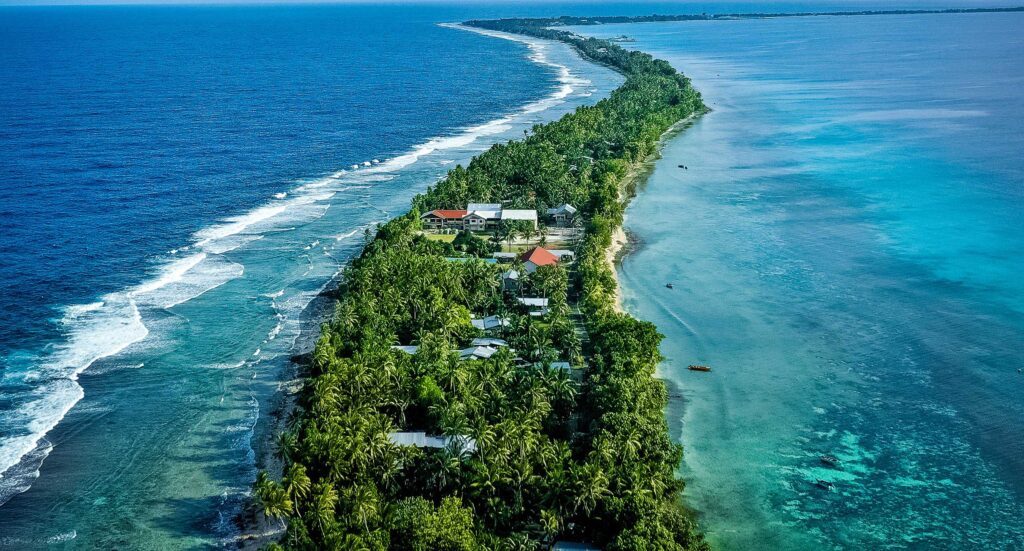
<point>477,353</point>
<point>562,215</point>
<point>537,306</point>
<point>526,215</point>
<point>489,341</point>
<point>443,441</point>
<point>475,217</point>
<point>564,255</point>
<point>489,323</point>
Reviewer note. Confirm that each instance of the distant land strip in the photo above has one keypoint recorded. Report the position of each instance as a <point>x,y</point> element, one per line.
<point>455,403</point>
<point>567,20</point>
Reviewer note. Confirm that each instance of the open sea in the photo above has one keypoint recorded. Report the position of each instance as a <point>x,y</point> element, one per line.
<point>847,251</point>
<point>179,184</point>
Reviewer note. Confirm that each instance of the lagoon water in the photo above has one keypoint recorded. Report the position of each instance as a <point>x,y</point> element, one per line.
<point>177,188</point>
<point>847,249</point>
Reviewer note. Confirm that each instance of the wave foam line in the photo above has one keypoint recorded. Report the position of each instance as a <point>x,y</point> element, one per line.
<point>102,329</point>
<point>94,332</point>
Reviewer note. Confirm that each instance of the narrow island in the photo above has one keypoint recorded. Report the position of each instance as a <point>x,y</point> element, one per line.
<point>476,387</point>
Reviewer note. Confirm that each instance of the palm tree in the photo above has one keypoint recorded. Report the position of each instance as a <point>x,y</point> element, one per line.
<point>446,471</point>
<point>551,524</point>
<point>297,483</point>
<point>287,444</point>
<point>325,500</point>
<point>364,502</point>
<point>272,497</point>
<point>591,485</point>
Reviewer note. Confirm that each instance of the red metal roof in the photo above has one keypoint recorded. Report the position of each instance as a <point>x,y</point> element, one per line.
<point>449,214</point>
<point>540,256</point>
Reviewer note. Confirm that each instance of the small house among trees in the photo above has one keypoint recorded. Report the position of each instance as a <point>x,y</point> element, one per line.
<point>476,217</point>
<point>562,216</point>
<point>537,257</point>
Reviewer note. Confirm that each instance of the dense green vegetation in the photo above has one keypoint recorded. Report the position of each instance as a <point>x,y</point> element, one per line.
<point>555,455</point>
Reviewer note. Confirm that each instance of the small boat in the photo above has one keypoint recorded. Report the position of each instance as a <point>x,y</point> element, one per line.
<point>695,367</point>
<point>670,286</point>
<point>825,485</point>
<point>829,460</point>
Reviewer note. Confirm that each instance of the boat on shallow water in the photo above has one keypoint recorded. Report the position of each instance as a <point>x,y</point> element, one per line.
<point>670,286</point>
<point>825,485</point>
<point>829,460</point>
<point>695,367</point>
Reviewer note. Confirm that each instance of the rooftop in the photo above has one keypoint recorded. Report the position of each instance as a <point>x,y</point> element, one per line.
<point>562,253</point>
<point>540,256</point>
<point>422,440</point>
<point>509,214</point>
<point>488,341</point>
<point>564,208</point>
<point>448,213</point>
<point>490,322</point>
<point>477,352</point>
<point>573,546</point>
<point>483,206</point>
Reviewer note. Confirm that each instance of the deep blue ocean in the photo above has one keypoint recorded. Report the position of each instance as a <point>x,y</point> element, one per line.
<point>178,184</point>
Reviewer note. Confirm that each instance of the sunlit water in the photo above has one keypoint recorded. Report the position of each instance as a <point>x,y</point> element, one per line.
<point>177,190</point>
<point>847,249</point>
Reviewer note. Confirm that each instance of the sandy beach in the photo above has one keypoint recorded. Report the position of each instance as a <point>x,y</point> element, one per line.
<point>613,254</point>
<point>636,176</point>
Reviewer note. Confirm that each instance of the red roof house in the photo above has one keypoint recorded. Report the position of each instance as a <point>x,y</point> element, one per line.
<point>443,218</point>
<point>450,214</point>
<point>537,257</point>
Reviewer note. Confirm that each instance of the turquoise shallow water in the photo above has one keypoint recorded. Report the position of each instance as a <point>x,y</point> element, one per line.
<point>847,252</point>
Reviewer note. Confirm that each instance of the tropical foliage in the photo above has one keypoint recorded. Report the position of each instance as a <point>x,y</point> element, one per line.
<point>538,453</point>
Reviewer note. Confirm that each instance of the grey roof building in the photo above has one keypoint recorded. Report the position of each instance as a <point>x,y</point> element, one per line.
<point>490,322</point>
<point>423,440</point>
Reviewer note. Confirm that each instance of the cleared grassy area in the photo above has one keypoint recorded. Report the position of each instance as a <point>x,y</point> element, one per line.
<point>442,237</point>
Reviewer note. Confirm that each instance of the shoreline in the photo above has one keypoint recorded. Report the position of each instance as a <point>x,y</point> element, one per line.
<point>86,317</point>
<point>613,255</point>
<point>623,242</point>
<point>255,530</point>
<point>393,294</point>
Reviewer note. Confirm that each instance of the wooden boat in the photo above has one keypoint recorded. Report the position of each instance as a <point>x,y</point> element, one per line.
<point>829,460</point>
<point>695,367</point>
<point>825,485</point>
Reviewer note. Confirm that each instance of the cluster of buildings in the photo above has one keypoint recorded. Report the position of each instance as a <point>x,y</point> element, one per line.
<point>488,216</point>
<point>483,217</point>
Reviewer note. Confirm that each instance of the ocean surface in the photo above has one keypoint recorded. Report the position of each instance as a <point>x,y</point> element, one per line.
<point>177,186</point>
<point>847,251</point>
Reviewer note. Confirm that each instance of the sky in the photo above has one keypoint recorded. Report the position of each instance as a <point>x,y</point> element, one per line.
<point>682,6</point>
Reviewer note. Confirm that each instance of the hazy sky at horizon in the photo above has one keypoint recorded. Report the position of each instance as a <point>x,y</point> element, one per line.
<point>684,6</point>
